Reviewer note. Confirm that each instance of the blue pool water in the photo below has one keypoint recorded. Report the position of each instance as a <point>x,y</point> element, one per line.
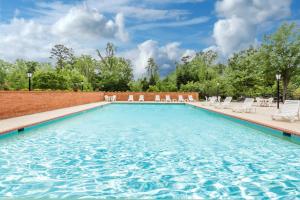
<point>148,151</point>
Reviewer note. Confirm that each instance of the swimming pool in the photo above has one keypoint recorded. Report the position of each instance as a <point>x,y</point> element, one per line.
<point>148,151</point>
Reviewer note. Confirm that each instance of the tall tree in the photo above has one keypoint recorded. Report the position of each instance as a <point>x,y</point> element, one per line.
<point>114,73</point>
<point>63,55</point>
<point>152,71</point>
<point>281,53</point>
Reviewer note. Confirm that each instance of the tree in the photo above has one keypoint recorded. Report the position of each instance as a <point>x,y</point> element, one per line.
<point>152,71</point>
<point>4,66</point>
<point>281,53</point>
<point>63,56</point>
<point>114,73</point>
<point>244,74</point>
<point>86,65</point>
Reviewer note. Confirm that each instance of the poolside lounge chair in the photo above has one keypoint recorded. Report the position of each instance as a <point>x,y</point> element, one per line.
<point>157,98</point>
<point>270,101</point>
<point>180,98</point>
<point>258,101</point>
<point>225,103</point>
<point>141,98</point>
<point>246,107</point>
<point>212,100</point>
<point>130,98</point>
<point>106,98</point>
<point>168,98</point>
<point>289,111</point>
<point>206,99</point>
<point>114,98</point>
<point>219,99</point>
<point>190,98</point>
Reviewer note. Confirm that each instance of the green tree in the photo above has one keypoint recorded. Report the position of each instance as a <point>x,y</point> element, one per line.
<point>63,55</point>
<point>152,71</point>
<point>86,65</point>
<point>244,74</point>
<point>281,53</point>
<point>114,73</point>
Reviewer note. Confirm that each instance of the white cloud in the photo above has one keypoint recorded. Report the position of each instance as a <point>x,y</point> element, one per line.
<point>165,56</point>
<point>240,19</point>
<point>137,10</point>
<point>233,34</point>
<point>189,22</point>
<point>84,23</point>
<point>80,28</point>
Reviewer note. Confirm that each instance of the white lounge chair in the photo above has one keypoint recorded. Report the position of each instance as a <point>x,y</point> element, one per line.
<point>141,98</point>
<point>270,102</point>
<point>168,98</point>
<point>180,98</point>
<point>106,98</point>
<point>130,98</point>
<point>288,111</point>
<point>225,103</point>
<point>258,101</point>
<point>206,99</point>
<point>190,98</point>
<point>157,98</point>
<point>246,107</point>
<point>212,100</point>
<point>114,98</point>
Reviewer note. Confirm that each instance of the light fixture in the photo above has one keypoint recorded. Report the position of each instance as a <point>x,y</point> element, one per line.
<point>278,76</point>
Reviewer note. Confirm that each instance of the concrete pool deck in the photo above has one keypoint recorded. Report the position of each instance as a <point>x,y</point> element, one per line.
<point>16,123</point>
<point>262,116</point>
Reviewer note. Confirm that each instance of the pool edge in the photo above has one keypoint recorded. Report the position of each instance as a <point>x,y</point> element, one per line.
<point>283,130</point>
<point>22,127</point>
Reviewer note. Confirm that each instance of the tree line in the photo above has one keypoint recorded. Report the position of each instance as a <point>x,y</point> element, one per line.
<point>250,72</point>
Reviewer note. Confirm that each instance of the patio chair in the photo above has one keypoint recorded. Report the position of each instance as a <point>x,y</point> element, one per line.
<point>288,111</point>
<point>130,98</point>
<point>157,98</point>
<point>141,98</point>
<point>212,100</point>
<point>225,103</point>
<point>246,107</point>
<point>258,101</point>
<point>168,98</point>
<point>190,98</point>
<point>270,102</point>
<point>114,98</point>
<point>106,98</point>
<point>206,99</point>
<point>180,98</point>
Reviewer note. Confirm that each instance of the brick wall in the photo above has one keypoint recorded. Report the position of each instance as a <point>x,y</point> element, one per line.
<point>150,96</point>
<point>19,103</point>
<point>15,103</point>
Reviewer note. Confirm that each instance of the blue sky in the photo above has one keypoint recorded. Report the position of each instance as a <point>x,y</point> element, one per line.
<point>162,29</point>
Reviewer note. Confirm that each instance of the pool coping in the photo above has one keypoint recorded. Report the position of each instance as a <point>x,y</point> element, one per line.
<point>279,128</point>
<point>65,112</point>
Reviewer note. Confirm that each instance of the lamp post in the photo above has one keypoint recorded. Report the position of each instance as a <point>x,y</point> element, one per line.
<point>29,75</point>
<point>218,91</point>
<point>278,76</point>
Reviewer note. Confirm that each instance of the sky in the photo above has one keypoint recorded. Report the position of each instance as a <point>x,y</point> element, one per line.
<point>165,30</point>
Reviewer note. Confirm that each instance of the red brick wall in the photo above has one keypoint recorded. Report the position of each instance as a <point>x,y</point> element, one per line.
<point>150,96</point>
<point>15,103</point>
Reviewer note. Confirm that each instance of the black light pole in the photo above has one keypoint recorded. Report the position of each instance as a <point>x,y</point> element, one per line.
<point>278,76</point>
<point>218,91</point>
<point>81,86</point>
<point>29,75</point>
